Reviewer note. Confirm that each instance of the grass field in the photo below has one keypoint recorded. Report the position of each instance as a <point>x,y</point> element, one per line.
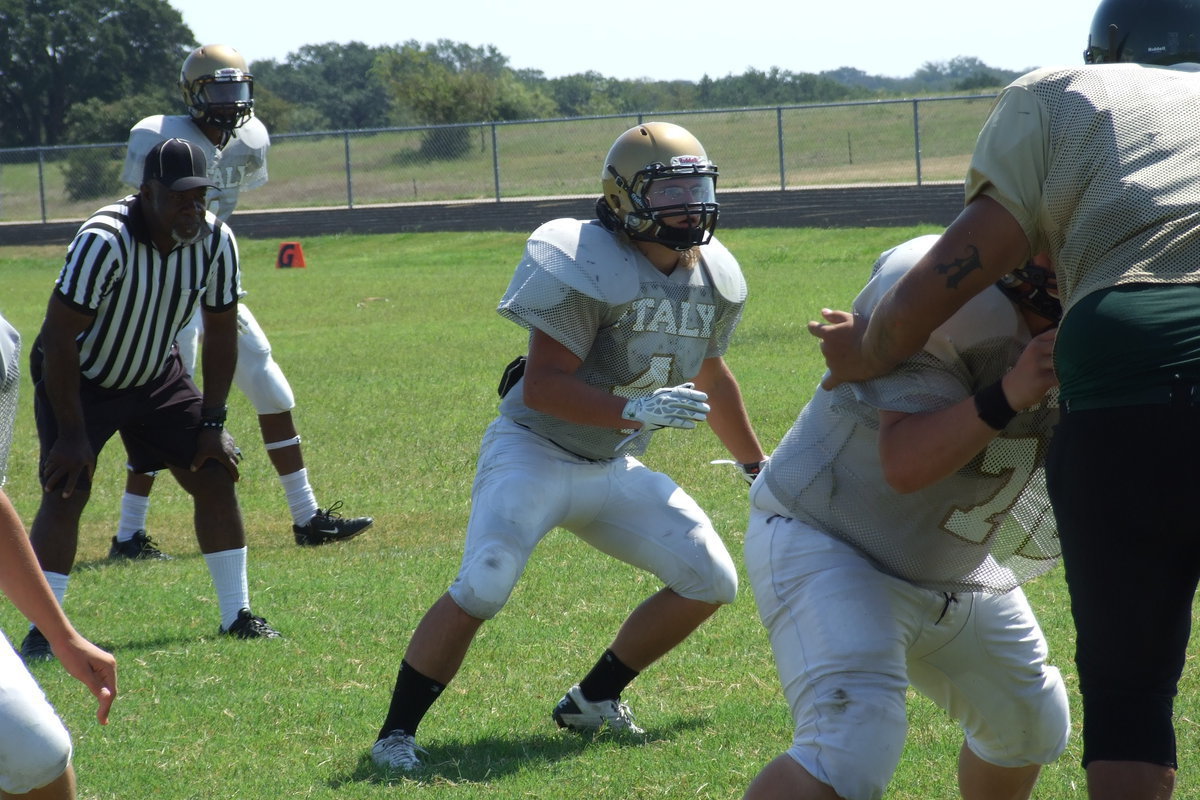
<point>394,351</point>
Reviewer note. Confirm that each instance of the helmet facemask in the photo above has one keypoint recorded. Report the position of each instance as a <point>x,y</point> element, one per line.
<point>1033,287</point>
<point>673,205</point>
<point>223,100</point>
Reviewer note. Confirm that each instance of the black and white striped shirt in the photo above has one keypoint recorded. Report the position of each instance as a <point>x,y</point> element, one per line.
<point>141,298</point>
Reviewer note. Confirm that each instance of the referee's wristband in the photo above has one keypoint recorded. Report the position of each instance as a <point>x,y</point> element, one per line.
<point>214,412</point>
<point>213,417</point>
<point>992,407</point>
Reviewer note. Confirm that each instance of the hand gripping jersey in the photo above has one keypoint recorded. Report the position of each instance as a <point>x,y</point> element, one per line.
<point>635,329</point>
<point>988,527</point>
<point>240,165</point>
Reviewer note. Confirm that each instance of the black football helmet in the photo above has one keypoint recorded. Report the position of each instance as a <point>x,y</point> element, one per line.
<point>1158,32</point>
<point>216,86</point>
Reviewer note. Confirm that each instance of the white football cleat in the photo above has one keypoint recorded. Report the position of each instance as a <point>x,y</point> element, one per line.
<point>397,750</point>
<point>580,714</point>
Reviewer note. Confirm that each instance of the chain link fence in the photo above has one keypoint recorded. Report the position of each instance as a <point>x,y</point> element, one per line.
<point>910,141</point>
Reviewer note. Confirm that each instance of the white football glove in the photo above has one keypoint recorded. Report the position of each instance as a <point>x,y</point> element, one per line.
<point>679,406</point>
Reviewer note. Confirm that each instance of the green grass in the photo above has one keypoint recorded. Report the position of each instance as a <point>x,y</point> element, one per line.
<point>394,351</point>
<point>865,143</point>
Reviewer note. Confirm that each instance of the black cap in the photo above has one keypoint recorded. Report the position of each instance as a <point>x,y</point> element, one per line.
<point>177,163</point>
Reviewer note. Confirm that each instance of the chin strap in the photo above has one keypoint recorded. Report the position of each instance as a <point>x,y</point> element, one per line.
<point>607,217</point>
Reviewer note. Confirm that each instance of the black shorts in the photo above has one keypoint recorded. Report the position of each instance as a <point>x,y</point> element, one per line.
<point>159,422</point>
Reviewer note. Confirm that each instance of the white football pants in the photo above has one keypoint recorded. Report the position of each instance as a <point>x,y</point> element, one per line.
<point>257,374</point>
<point>35,747</point>
<point>849,639</point>
<point>525,486</point>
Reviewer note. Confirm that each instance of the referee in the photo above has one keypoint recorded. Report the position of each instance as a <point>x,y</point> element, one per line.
<point>105,363</point>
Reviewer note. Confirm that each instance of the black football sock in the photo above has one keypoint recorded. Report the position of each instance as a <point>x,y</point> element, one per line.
<point>412,697</point>
<point>607,679</point>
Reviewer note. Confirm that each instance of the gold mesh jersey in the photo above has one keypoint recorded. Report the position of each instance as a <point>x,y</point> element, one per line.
<point>10,381</point>
<point>634,328</point>
<point>1098,164</point>
<point>987,527</point>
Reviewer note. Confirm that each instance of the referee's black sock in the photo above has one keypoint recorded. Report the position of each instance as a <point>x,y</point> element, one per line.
<point>607,679</point>
<point>412,697</point>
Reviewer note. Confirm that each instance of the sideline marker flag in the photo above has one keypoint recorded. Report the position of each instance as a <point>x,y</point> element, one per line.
<point>291,254</point>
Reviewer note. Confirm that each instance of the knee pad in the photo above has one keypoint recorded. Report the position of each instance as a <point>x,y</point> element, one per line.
<point>1035,730</point>
<point>714,580</point>
<point>263,382</point>
<point>485,581</point>
<point>722,582</point>
<point>1047,739</point>
<point>852,737</point>
<point>43,754</point>
<point>257,375</point>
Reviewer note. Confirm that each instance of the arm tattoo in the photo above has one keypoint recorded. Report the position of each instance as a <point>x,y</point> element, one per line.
<point>959,268</point>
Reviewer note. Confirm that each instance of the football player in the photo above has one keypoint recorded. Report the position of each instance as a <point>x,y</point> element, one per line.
<point>1096,165</point>
<point>219,93</point>
<point>629,316</point>
<point>35,747</point>
<point>888,538</point>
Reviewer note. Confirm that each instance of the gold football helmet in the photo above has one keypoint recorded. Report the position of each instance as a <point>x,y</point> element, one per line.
<point>659,186</point>
<point>216,86</point>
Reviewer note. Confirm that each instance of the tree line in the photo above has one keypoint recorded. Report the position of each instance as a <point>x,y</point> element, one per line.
<point>83,71</point>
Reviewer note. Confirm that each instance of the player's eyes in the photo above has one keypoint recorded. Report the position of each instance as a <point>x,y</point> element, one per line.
<point>674,195</point>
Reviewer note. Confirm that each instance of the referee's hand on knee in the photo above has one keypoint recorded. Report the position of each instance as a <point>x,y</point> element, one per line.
<point>68,460</point>
<point>216,444</point>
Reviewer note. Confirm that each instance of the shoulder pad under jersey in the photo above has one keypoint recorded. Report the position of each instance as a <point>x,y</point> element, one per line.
<point>241,164</point>
<point>726,272</point>
<point>586,257</point>
<point>903,256</point>
<point>891,265</point>
<point>150,131</point>
<point>142,137</point>
<point>152,124</point>
<point>253,134</point>
<point>175,126</point>
<point>988,314</point>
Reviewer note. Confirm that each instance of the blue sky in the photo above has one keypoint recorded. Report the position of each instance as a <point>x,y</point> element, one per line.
<point>681,41</point>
